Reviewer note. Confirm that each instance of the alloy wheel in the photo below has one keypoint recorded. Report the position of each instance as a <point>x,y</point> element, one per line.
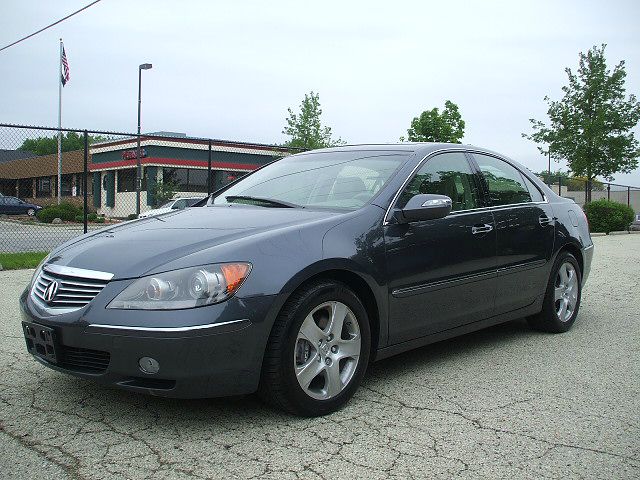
<point>327,350</point>
<point>566,291</point>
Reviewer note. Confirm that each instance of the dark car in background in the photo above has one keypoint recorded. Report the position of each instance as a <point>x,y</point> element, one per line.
<point>15,206</point>
<point>291,280</point>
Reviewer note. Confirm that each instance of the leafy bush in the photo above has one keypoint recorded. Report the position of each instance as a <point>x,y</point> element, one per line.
<point>132,216</point>
<point>79,218</point>
<point>162,192</point>
<point>64,211</point>
<point>99,220</point>
<point>606,216</point>
<point>92,217</point>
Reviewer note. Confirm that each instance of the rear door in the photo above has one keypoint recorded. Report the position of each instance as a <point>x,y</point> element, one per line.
<point>524,232</point>
<point>441,273</point>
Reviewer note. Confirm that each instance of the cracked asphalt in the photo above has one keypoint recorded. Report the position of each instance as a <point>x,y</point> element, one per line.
<point>505,402</point>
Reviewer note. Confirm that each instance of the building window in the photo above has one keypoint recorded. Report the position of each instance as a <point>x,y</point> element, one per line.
<point>79,185</point>
<point>186,179</point>
<point>7,187</point>
<point>66,184</point>
<point>127,180</point>
<point>197,180</point>
<point>44,187</point>
<point>25,188</point>
<point>228,177</point>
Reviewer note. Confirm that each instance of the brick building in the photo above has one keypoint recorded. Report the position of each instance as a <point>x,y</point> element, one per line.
<point>35,178</point>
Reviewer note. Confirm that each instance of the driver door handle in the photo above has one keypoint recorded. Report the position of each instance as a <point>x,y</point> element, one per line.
<point>478,229</point>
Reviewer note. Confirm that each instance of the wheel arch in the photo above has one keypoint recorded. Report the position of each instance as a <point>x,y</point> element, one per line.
<point>574,250</point>
<point>362,287</point>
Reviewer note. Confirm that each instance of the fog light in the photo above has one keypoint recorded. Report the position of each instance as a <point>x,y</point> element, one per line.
<point>149,365</point>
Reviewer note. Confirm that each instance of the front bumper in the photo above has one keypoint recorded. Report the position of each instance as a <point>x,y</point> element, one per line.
<point>203,352</point>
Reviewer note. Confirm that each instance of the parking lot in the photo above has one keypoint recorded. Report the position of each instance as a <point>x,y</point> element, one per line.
<point>18,236</point>
<point>501,403</point>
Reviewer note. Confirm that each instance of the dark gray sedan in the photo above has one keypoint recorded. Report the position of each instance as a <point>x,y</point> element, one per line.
<point>15,206</point>
<point>291,280</point>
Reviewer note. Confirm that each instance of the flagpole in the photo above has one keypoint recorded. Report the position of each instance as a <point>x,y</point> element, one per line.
<point>60,123</point>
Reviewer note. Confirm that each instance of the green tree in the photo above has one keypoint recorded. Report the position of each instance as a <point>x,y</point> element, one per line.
<point>591,125</point>
<point>162,192</point>
<point>433,126</point>
<point>305,128</point>
<point>48,145</point>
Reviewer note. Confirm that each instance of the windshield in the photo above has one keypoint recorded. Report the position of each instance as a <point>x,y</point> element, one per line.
<point>167,205</point>
<point>331,180</point>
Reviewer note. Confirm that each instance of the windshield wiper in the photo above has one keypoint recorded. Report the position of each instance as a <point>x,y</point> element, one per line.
<point>269,201</point>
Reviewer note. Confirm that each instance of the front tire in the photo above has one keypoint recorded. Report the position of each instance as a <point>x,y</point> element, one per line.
<point>318,350</point>
<point>562,297</point>
<point>31,212</point>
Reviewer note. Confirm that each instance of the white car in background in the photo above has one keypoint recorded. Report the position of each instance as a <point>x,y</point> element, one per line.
<point>175,204</point>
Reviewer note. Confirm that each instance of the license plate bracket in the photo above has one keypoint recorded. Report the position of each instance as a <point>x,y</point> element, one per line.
<point>41,341</point>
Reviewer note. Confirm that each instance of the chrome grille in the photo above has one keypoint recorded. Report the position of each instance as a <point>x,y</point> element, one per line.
<point>76,287</point>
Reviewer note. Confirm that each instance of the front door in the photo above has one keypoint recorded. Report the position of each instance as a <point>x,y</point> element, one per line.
<point>442,272</point>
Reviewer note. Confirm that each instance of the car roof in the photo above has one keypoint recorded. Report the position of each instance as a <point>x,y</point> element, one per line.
<point>404,147</point>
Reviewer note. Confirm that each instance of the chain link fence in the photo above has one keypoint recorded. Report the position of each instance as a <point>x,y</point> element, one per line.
<point>107,178</point>
<point>578,190</point>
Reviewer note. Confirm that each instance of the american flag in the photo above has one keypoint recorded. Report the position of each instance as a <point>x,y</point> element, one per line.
<point>64,74</point>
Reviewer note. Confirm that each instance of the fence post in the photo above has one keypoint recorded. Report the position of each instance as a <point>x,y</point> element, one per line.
<point>628,196</point>
<point>209,170</point>
<point>559,186</point>
<point>608,191</point>
<point>84,178</point>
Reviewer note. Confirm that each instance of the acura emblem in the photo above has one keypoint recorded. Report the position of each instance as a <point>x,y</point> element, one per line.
<point>50,291</point>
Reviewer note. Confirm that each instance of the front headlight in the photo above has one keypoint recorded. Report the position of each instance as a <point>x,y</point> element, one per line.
<point>185,288</point>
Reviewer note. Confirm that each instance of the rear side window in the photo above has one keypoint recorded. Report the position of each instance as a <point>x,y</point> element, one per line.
<point>505,183</point>
<point>445,174</point>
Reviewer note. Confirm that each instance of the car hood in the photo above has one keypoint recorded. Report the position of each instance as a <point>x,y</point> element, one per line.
<point>134,248</point>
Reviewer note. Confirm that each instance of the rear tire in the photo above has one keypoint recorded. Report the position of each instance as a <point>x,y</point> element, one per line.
<point>31,212</point>
<point>562,297</point>
<point>318,350</point>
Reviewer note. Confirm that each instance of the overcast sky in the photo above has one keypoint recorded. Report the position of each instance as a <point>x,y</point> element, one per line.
<point>230,69</point>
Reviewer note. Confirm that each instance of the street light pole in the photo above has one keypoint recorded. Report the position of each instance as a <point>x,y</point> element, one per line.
<point>144,66</point>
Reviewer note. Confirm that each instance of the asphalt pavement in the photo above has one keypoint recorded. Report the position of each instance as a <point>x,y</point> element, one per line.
<point>503,403</point>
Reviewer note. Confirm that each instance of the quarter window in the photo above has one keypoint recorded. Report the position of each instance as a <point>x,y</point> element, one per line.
<point>445,174</point>
<point>504,182</point>
<point>536,196</point>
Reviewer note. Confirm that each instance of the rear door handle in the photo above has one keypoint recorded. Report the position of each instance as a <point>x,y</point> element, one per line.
<point>478,229</point>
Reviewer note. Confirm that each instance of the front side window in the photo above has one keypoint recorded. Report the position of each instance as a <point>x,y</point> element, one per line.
<point>445,174</point>
<point>345,180</point>
<point>504,182</point>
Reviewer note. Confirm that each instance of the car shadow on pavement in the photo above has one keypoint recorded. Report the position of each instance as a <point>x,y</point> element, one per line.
<point>454,349</point>
<point>137,410</point>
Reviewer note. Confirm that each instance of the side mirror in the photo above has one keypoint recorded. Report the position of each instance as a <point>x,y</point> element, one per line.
<point>424,207</point>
